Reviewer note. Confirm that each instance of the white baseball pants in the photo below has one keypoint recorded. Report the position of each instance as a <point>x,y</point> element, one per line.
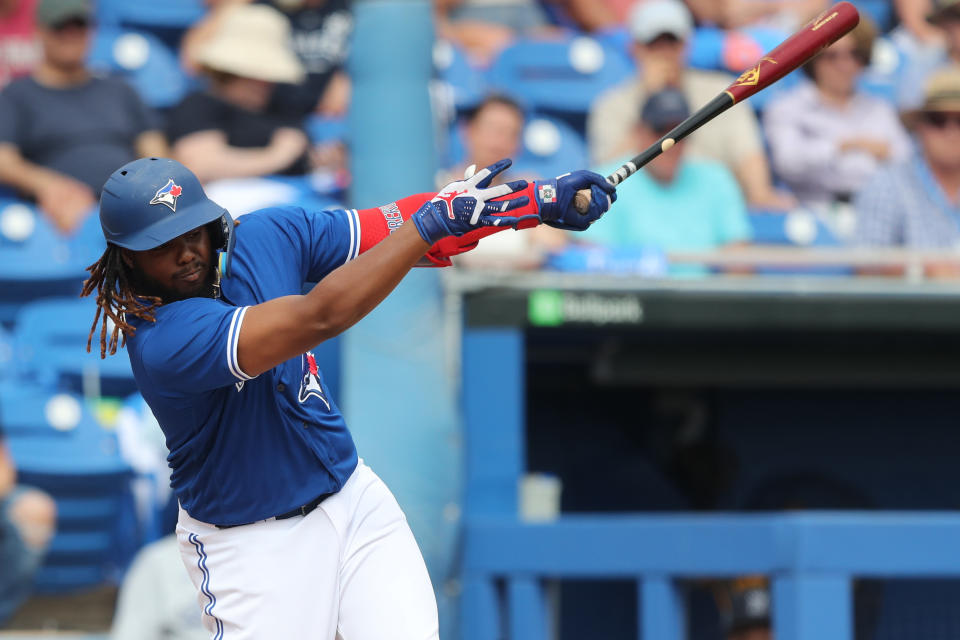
<point>349,570</point>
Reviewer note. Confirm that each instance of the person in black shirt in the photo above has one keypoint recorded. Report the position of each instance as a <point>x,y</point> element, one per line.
<point>226,130</point>
<point>64,130</point>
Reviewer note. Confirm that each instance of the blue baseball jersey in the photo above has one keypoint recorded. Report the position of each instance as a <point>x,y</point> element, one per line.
<point>244,449</point>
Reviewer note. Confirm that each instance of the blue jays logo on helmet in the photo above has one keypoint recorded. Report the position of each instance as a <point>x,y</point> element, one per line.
<point>168,195</point>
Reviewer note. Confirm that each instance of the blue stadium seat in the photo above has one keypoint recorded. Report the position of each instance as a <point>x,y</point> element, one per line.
<point>141,58</point>
<point>550,148</point>
<point>23,408</point>
<point>559,75</point>
<point>78,463</point>
<point>799,229</point>
<point>164,14</point>
<point>465,82</point>
<point>50,338</point>
<point>6,356</point>
<point>323,129</point>
<point>880,11</point>
<point>35,260</point>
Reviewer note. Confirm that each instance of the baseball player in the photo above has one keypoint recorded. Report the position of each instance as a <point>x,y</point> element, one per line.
<point>284,531</point>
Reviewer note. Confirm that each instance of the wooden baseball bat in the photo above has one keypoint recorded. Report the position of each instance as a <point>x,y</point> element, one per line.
<point>817,35</point>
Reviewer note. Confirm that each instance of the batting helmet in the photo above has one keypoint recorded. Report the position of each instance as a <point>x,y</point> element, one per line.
<point>150,201</point>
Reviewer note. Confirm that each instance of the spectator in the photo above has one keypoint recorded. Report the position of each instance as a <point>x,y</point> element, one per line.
<point>484,27</point>
<point>62,130</point>
<point>827,137</point>
<point>226,130</point>
<point>494,130</point>
<point>674,203</point>
<point>27,521</point>
<point>157,601</point>
<point>320,38</point>
<point>660,29</point>
<point>787,15</point>
<point>916,203</point>
<point>19,46</point>
<point>946,18</point>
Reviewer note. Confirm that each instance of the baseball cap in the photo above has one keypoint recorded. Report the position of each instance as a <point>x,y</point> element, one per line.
<point>665,109</point>
<point>652,18</point>
<point>51,13</point>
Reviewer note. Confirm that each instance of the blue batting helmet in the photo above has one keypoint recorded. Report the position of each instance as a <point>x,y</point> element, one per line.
<point>150,201</point>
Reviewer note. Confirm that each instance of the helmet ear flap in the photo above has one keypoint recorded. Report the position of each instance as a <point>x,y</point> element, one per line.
<point>223,241</point>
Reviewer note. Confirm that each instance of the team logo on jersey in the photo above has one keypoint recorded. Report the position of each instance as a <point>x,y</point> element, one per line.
<point>310,381</point>
<point>168,195</point>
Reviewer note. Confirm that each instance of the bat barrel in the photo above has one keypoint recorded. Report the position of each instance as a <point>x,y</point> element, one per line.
<point>817,35</point>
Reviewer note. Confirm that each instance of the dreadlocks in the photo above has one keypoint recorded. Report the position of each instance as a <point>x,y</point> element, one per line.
<point>115,299</point>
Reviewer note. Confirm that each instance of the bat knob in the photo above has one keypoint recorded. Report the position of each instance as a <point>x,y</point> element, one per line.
<point>581,201</point>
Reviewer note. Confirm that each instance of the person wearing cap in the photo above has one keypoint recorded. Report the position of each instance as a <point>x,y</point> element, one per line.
<point>916,203</point>
<point>675,202</point>
<point>660,30</point>
<point>63,130</point>
<point>827,137</point>
<point>226,130</point>
<point>945,17</point>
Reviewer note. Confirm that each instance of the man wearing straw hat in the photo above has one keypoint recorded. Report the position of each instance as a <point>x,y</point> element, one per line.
<point>226,131</point>
<point>917,203</point>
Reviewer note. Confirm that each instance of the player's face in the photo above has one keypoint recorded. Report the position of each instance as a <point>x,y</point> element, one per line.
<point>176,270</point>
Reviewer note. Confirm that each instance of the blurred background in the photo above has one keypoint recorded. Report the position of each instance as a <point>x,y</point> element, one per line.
<point>723,412</point>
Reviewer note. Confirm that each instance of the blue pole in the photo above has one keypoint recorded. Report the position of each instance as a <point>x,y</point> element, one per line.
<point>397,396</point>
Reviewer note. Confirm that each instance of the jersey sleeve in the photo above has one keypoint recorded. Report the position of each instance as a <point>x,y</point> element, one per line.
<point>193,347</point>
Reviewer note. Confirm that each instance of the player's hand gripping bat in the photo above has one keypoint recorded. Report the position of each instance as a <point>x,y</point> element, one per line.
<point>820,33</point>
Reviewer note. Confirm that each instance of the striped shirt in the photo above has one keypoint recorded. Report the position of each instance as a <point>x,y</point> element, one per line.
<point>904,205</point>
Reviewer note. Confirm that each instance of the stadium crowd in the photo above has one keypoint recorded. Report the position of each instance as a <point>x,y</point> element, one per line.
<point>864,142</point>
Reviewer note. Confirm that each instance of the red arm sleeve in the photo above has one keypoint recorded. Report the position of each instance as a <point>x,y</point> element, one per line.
<point>378,223</point>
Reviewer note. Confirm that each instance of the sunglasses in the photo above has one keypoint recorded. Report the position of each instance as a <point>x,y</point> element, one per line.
<point>940,120</point>
<point>72,23</point>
